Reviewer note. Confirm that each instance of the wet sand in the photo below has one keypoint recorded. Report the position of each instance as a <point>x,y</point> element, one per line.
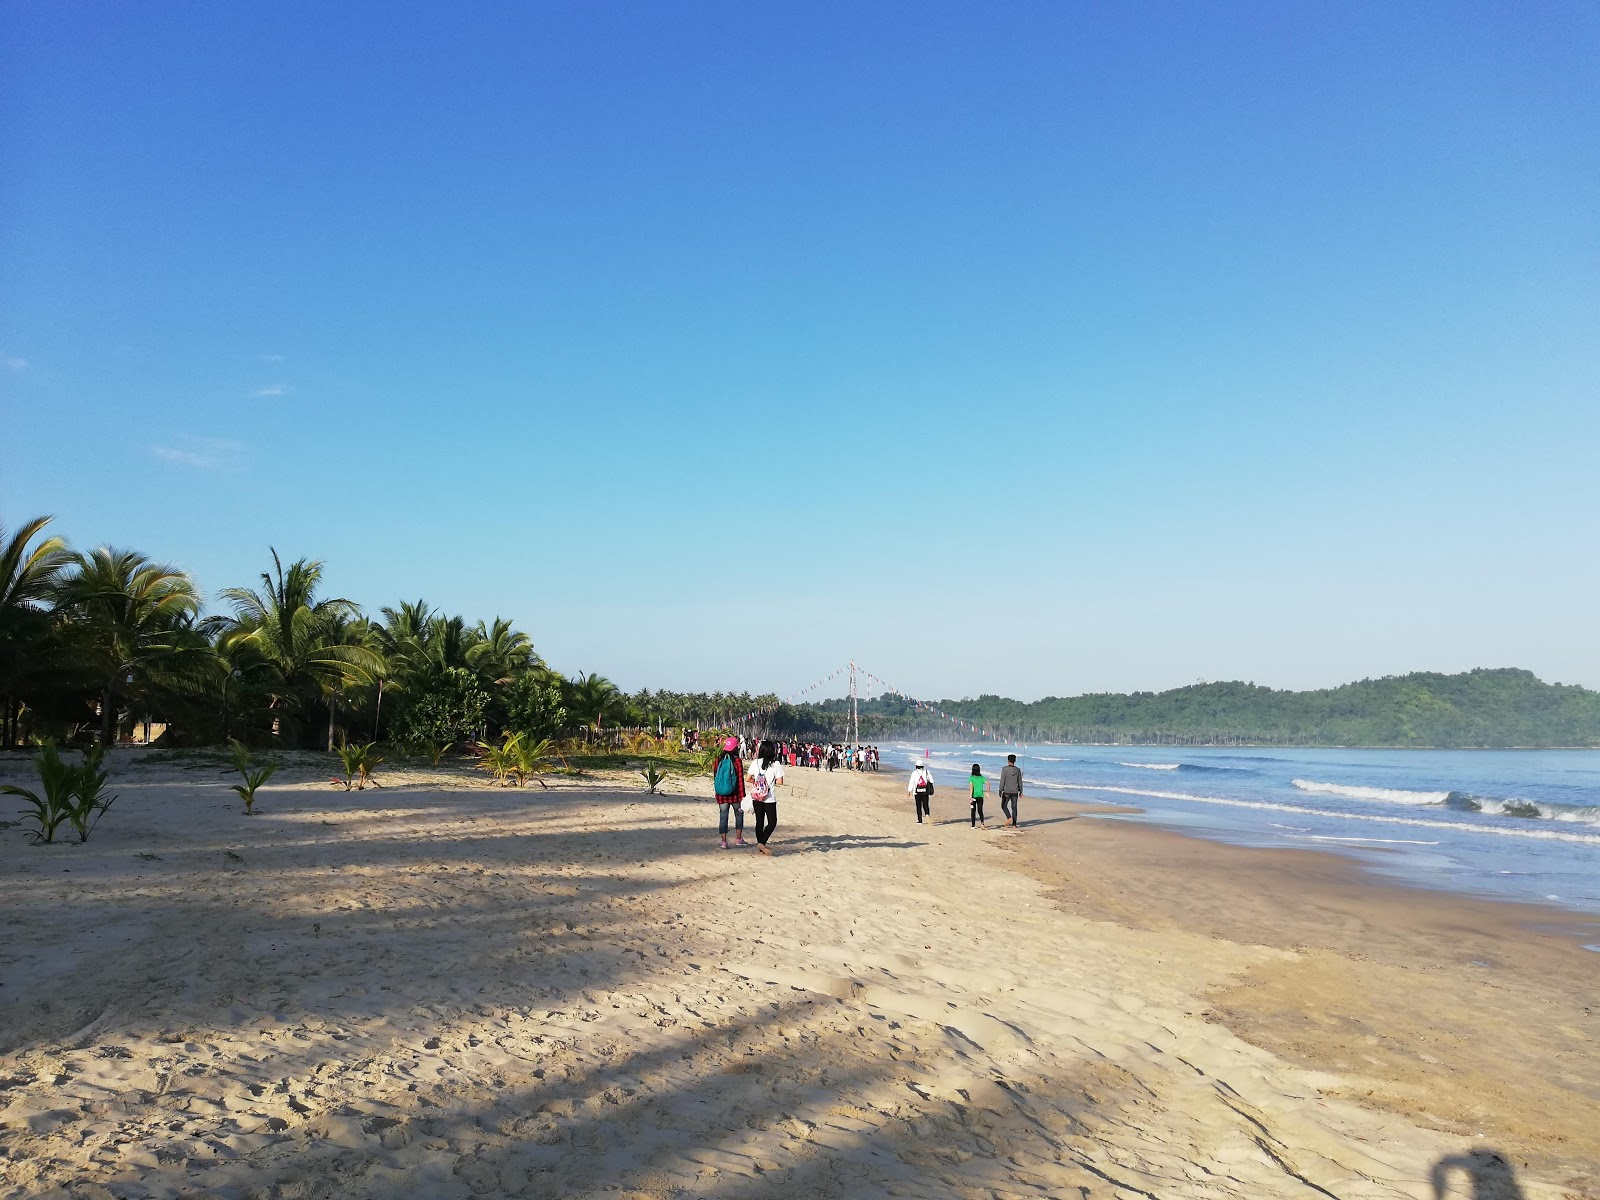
<point>1476,1017</point>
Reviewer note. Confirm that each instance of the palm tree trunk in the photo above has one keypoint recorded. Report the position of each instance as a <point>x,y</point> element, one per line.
<point>331,699</point>
<point>108,717</point>
<point>377,714</point>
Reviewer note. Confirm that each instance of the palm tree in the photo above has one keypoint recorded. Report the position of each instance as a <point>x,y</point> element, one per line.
<point>132,620</point>
<point>501,654</point>
<point>304,638</point>
<point>450,641</point>
<point>594,698</point>
<point>28,581</point>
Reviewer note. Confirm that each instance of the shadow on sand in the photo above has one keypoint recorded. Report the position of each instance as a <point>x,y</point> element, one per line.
<point>1488,1175</point>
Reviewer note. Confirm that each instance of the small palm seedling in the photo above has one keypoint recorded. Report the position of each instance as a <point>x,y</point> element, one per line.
<point>89,799</point>
<point>516,760</point>
<point>254,776</point>
<point>58,779</point>
<point>499,760</point>
<point>359,763</point>
<point>654,779</point>
<point>436,751</point>
<point>529,758</point>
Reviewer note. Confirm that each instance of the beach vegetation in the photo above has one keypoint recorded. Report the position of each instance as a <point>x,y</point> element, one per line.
<point>311,643</point>
<point>31,567</point>
<point>129,626</point>
<point>594,700</point>
<point>70,793</point>
<point>359,762</point>
<point>89,798</point>
<point>653,779</point>
<point>517,759</point>
<point>443,705</point>
<point>254,775</point>
<point>535,704</point>
<point>49,807</point>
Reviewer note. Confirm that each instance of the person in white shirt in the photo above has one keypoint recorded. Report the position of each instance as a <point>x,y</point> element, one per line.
<point>764,795</point>
<point>920,786</point>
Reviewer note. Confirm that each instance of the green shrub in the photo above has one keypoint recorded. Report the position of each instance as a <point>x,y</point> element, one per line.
<point>534,705</point>
<point>447,706</point>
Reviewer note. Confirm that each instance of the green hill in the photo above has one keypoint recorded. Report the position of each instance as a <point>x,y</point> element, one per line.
<point>1483,708</point>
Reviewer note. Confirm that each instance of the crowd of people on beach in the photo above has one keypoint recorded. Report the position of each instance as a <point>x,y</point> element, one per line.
<point>747,775</point>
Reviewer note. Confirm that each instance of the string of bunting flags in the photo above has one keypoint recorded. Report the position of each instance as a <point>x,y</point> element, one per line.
<point>794,697</point>
<point>885,685</point>
<point>926,706</point>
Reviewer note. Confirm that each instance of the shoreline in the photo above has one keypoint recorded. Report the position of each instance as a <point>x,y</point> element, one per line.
<point>447,989</point>
<point>1515,1008</point>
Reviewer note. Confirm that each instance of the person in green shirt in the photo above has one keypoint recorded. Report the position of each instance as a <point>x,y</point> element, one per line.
<point>979,786</point>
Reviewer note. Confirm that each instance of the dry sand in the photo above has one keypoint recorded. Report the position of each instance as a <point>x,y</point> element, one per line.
<point>444,990</point>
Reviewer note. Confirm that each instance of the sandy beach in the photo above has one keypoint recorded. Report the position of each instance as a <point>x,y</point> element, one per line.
<point>442,989</point>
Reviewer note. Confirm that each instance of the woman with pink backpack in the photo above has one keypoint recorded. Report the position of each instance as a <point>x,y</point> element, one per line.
<point>763,794</point>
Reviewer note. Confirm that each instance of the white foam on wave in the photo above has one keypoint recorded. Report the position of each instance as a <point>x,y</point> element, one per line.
<point>1320,837</point>
<point>1388,795</point>
<point>1153,766</point>
<point>1525,809</point>
<point>1267,806</point>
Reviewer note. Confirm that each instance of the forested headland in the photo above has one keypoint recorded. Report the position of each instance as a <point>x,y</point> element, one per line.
<point>1484,708</point>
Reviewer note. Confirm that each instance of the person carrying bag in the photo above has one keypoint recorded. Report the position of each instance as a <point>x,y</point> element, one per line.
<point>727,780</point>
<point>921,788</point>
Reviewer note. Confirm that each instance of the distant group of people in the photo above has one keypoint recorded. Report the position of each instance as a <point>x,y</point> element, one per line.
<point>920,788</point>
<point>752,789</point>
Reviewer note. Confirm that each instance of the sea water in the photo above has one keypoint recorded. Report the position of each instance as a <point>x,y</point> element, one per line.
<point>1517,824</point>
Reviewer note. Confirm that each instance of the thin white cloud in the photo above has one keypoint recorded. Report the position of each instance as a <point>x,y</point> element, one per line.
<point>202,453</point>
<point>13,362</point>
<point>272,389</point>
<point>273,358</point>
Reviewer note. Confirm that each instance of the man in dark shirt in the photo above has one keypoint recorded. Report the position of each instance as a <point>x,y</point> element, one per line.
<point>1010,788</point>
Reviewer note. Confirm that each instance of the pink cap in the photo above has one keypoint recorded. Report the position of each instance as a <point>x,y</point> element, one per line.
<point>730,743</point>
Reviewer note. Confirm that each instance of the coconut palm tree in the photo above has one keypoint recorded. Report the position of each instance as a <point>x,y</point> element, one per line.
<point>29,579</point>
<point>501,653</point>
<point>306,639</point>
<point>595,699</point>
<point>450,641</point>
<point>132,622</point>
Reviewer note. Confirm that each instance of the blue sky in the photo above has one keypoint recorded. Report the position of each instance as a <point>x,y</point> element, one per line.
<point>1023,348</point>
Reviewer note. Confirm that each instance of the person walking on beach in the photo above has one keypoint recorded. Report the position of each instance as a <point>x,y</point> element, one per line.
<point>920,786</point>
<point>728,782</point>
<point>979,786</point>
<point>763,794</point>
<point>1010,789</point>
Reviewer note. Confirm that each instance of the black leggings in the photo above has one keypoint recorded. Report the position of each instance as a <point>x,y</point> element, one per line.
<point>977,810</point>
<point>922,807</point>
<point>766,820</point>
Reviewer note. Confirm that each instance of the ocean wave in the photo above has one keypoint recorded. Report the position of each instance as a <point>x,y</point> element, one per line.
<point>1387,795</point>
<point>1528,810</point>
<point>1153,766</point>
<point>1320,837</point>
<point>1592,839</point>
